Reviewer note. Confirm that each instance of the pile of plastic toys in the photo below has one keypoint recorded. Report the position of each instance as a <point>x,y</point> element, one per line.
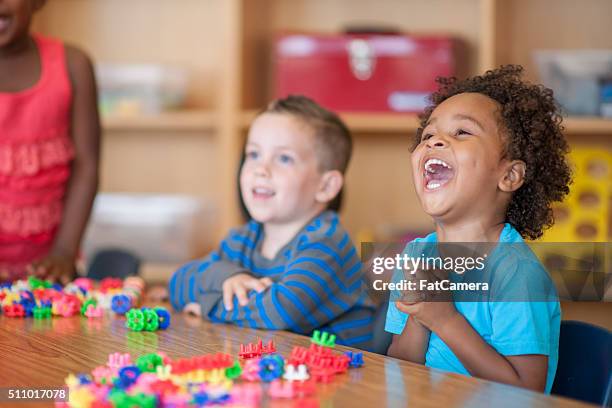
<point>42,299</point>
<point>259,374</point>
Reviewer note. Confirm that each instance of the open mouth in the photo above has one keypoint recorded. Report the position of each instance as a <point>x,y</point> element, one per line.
<point>437,173</point>
<point>263,192</point>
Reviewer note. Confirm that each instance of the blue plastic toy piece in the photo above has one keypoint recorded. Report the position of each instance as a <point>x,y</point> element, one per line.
<point>120,304</point>
<point>164,318</point>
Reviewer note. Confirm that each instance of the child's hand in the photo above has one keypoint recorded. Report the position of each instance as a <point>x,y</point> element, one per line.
<point>432,315</point>
<point>55,266</point>
<point>239,285</point>
<point>193,309</point>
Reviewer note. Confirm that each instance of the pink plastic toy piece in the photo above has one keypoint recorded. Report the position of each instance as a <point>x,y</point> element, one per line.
<point>103,374</point>
<point>291,389</point>
<point>250,371</point>
<point>278,389</point>
<point>247,395</point>
<point>118,360</point>
<point>84,283</point>
<point>67,305</point>
<point>146,380</point>
<point>94,311</point>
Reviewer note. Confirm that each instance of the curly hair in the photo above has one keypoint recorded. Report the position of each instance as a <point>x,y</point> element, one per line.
<point>534,134</point>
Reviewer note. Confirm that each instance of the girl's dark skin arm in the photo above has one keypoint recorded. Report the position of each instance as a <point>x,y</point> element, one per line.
<point>476,355</point>
<point>412,344</point>
<point>59,264</point>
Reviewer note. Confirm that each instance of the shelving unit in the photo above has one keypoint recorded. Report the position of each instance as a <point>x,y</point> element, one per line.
<point>226,45</point>
<point>184,120</point>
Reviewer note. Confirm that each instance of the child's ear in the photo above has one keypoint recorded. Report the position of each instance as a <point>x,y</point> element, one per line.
<point>513,176</point>
<point>331,184</point>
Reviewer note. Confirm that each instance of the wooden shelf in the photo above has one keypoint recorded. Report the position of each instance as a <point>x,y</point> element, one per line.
<point>188,120</point>
<point>401,123</point>
<point>364,122</point>
<point>588,125</point>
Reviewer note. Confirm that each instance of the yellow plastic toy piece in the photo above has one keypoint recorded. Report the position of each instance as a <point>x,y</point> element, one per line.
<point>81,398</point>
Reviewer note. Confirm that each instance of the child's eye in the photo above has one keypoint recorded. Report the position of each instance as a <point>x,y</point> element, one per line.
<point>252,155</point>
<point>426,136</point>
<point>285,159</point>
<point>461,132</point>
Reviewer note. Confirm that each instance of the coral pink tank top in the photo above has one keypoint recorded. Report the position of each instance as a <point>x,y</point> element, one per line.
<point>35,157</point>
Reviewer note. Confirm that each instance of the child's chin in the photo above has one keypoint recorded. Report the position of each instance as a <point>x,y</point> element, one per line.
<point>435,208</point>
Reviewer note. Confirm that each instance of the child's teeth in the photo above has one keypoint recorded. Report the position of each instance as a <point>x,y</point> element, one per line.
<point>429,162</point>
<point>433,185</point>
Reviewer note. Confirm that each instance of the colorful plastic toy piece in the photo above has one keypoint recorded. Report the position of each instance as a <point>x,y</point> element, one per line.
<point>293,374</point>
<point>127,376</point>
<point>85,284</point>
<point>271,367</point>
<point>356,359</point>
<point>120,399</point>
<point>234,371</point>
<point>252,350</point>
<point>288,390</point>
<point>43,312</point>
<point>323,339</point>
<point>14,310</point>
<point>135,320</point>
<point>251,368</point>
<point>28,305</point>
<point>94,311</point>
<point>151,319</point>
<point>118,360</point>
<point>247,395</point>
<point>110,283</point>
<point>148,363</point>
<point>278,389</point>
<point>36,283</point>
<point>90,301</point>
<point>120,304</point>
<point>163,371</point>
<point>163,318</point>
<point>323,375</point>
<point>103,374</point>
<point>84,379</point>
<point>67,305</point>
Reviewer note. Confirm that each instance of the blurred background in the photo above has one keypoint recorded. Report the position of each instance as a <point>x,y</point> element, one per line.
<point>181,80</point>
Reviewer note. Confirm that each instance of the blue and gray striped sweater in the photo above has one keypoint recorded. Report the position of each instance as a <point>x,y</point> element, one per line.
<point>318,283</point>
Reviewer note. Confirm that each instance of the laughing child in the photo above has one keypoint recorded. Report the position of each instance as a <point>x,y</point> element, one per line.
<point>488,162</point>
<point>293,266</point>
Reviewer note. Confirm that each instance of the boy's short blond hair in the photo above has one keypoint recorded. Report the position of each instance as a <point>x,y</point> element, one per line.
<point>334,143</point>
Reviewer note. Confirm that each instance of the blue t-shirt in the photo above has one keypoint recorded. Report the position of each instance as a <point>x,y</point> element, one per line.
<point>513,327</point>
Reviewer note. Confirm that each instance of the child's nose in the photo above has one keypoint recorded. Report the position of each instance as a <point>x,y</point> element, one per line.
<point>262,169</point>
<point>437,142</point>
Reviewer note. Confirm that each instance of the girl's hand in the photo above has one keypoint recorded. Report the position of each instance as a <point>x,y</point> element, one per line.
<point>239,285</point>
<point>55,266</point>
<point>432,315</point>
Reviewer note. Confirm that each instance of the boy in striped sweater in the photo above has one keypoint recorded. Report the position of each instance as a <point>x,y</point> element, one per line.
<point>293,266</point>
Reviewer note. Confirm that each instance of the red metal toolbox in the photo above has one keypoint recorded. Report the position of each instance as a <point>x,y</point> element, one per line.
<point>363,72</point>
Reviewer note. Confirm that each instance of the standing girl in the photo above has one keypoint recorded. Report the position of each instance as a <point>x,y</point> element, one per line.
<point>49,148</point>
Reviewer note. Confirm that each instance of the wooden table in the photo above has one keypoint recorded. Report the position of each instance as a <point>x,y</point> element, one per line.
<point>35,353</point>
